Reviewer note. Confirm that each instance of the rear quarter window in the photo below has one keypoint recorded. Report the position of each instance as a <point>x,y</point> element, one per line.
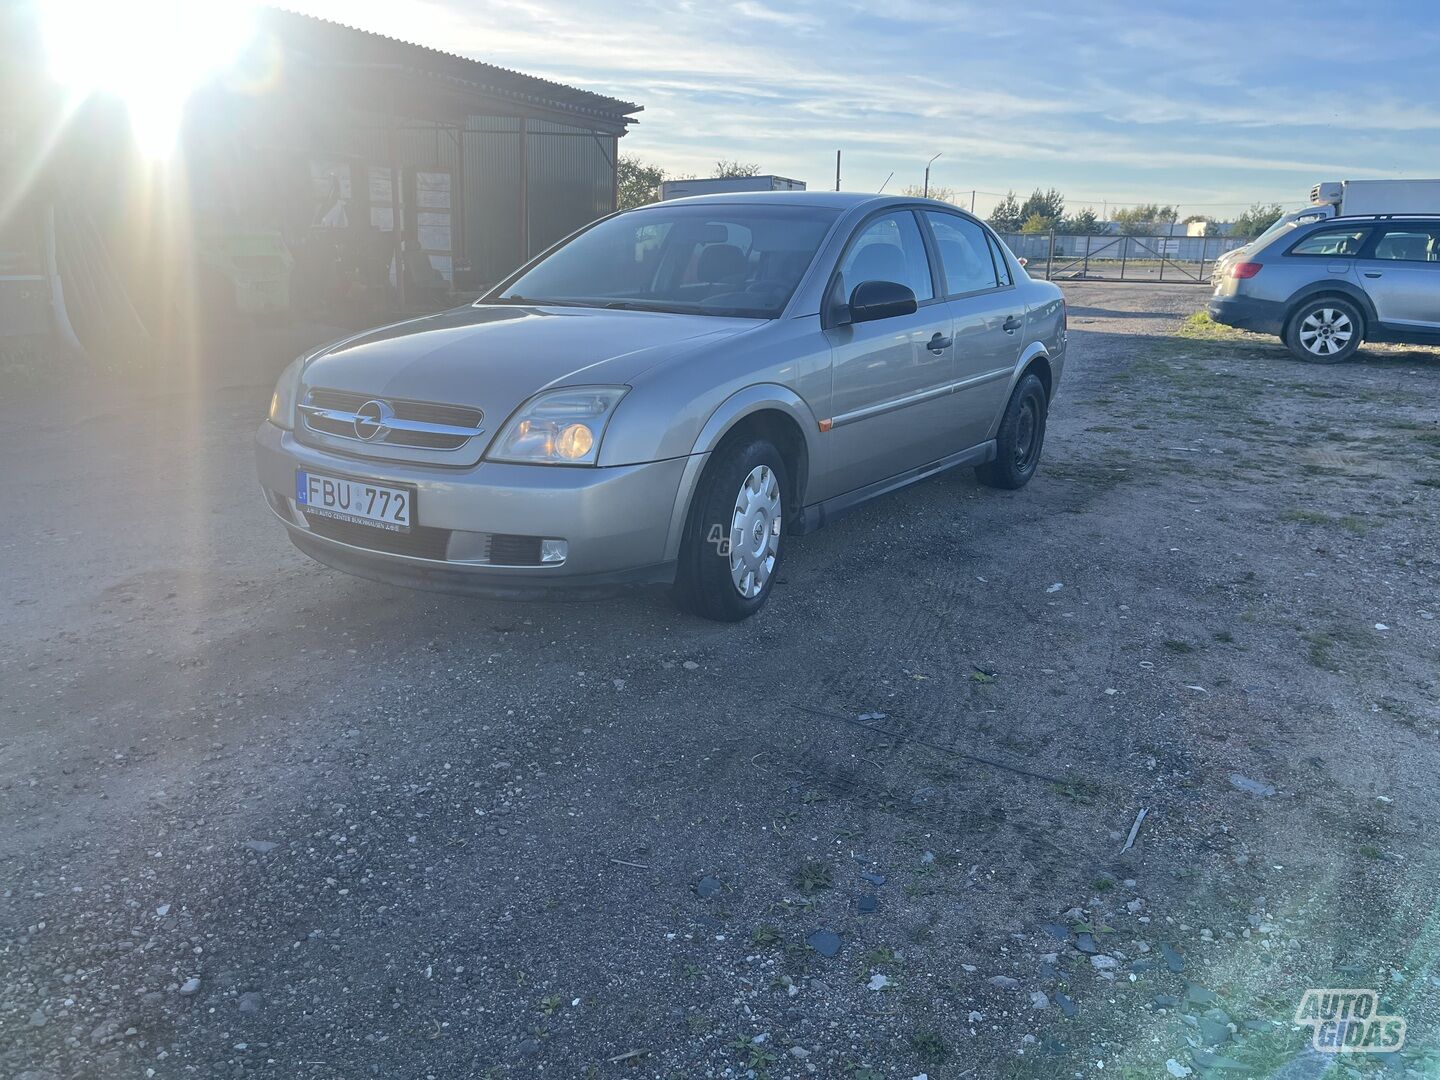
<point>1331,242</point>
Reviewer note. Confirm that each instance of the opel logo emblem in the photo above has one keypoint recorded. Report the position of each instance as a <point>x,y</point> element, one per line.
<point>372,420</point>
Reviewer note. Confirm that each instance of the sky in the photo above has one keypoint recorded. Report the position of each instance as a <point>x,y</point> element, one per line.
<point>1209,106</point>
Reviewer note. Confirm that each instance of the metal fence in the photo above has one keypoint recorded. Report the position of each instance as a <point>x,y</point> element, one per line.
<point>1106,257</point>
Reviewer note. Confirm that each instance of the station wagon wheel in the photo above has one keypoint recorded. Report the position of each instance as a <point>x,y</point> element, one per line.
<point>734,537</point>
<point>1020,437</point>
<point>1325,331</point>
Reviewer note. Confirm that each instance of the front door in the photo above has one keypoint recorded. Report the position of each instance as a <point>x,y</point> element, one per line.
<point>889,406</point>
<point>1401,273</point>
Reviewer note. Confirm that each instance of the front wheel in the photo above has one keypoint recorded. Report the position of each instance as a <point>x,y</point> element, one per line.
<point>1020,438</point>
<point>1325,331</point>
<point>734,539</point>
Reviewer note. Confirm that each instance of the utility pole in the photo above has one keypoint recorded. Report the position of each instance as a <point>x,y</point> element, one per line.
<point>837,170</point>
<point>927,175</point>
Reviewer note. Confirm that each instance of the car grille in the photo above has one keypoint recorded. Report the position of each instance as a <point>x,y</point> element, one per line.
<point>422,411</point>
<point>422,542</point>
<point>419,543</point>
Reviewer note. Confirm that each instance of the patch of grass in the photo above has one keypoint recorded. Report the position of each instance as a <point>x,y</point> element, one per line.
<point>1224,637</point>
<point>765,935</point>
<point>929,1047</point>
<point>1103,884</point>
<point>1306,517</point>
<point>1357,525</point>
<point>1080,791</point>
<point>1177,646</point>
<point>812,876</point>
<point>1201,327</point>
<point>1321,647</point>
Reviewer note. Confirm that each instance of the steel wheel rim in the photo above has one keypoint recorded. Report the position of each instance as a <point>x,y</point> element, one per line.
<point>1326,331</point>
<point>755,532</point>
<point>1027,430</point>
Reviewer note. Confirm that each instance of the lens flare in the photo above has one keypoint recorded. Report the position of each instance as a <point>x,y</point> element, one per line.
<point>151,54</point>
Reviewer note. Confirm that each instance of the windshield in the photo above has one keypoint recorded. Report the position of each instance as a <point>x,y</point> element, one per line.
<point>739,259</point>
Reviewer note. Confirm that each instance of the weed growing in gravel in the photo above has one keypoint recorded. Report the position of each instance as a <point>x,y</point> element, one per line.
<point>812,876</point>
<point>929,1047</point>
<point>765,935</point>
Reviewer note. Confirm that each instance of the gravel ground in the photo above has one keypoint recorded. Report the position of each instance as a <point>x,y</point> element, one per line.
<point>264,819</point>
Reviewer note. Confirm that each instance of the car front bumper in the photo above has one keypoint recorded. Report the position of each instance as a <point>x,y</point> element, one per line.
<point>616,521</point>
<point>1248,313</point>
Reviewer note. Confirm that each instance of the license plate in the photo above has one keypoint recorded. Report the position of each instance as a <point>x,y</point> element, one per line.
<point>360,501</point>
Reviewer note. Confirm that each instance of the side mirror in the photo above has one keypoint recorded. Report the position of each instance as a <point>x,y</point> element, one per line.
<point>873,300</point>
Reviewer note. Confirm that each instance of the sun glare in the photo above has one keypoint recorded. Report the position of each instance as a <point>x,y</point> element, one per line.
<point>150,54</point>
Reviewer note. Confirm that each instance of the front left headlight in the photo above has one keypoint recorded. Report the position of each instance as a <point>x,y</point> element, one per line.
<point>287,390</point>
<point>558,427</point>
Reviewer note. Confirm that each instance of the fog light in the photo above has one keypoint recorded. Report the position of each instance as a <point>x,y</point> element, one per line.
<point>554,551</point>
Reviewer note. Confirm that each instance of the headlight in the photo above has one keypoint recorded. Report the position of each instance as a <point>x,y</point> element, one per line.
<point>559,427</point>
<point>282,402</point>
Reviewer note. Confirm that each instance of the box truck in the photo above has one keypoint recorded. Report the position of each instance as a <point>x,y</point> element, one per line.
<point>679,189</point>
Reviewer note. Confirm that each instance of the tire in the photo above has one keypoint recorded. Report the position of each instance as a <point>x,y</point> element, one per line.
<point>1327,330</point>
<point>735,538</point>
<point>1020,439</point>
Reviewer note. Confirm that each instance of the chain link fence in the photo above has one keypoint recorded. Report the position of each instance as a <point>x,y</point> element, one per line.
<point>1107,257</point>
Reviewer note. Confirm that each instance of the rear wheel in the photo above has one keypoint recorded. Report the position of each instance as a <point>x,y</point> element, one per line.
<point>1325,331</point>
<point>1020,438</point>
<point>735,536</point>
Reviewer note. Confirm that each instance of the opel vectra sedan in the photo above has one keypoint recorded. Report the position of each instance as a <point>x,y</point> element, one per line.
<point>666,396</point>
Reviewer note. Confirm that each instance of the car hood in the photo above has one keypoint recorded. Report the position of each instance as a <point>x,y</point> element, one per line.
<point>493,357</point>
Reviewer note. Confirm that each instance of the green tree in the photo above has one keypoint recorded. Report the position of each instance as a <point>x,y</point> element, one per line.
<point>943,194</point>
<point>1038,223</point>
<point>730,170</point>
<point>1257,219</point>
<point>1146,218</point>
<point>637,183</point>
<point>1047,204</point>
<point>1081,223</point>
<point>1006,215</point>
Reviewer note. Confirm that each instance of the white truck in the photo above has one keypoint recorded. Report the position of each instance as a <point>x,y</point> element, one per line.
<point>678,189</point>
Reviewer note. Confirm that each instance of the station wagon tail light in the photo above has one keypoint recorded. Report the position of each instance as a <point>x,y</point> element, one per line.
<point>1242,270</point>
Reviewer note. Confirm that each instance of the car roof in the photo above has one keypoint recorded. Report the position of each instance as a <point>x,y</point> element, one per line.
<point>839,200</point>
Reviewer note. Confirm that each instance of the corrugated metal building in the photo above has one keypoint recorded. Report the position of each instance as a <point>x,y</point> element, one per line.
<point>526,161</point>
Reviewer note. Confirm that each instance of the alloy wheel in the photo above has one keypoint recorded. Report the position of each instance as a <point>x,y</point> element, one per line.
<point>1326,331</point>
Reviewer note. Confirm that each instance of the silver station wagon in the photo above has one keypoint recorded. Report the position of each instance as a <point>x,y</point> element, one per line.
<point>667,396</point>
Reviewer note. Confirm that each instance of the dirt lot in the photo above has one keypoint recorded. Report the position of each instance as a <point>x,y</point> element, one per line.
<point>264,819</point>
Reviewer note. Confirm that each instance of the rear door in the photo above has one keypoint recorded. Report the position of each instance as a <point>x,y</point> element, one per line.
<point>889,410</point>
<point>987,320</point>
<point>1400,270</point>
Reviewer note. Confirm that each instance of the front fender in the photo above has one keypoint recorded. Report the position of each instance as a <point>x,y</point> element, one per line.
<point>752,399</point>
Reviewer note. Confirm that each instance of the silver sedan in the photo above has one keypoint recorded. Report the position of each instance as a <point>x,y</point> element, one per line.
<point>667,396</point>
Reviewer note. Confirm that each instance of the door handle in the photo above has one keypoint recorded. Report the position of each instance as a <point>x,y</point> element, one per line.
<point>1373,273</point>
<point>1011,324</point>
<point>939,343</point>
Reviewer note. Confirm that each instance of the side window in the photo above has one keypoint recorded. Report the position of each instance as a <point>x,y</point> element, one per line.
<point>1331,242</point>
<point>1002,264</point>
<point>1409,245</point>
<point>889,248</point>
<point>964,253</point>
